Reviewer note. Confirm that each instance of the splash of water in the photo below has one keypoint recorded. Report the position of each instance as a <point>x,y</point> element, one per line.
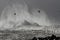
<point>22,14</point>
<point>41,17</point>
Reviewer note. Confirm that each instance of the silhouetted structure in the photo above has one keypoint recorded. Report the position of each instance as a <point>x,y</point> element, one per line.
<point>34,38</point>
<point>53,37</point>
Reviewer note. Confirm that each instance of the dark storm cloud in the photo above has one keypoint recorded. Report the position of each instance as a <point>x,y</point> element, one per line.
<point>52,7</point>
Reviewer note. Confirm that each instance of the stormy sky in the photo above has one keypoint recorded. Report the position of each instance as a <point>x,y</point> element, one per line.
<point>52,7</point>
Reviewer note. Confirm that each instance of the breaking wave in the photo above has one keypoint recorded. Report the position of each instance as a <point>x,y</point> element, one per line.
<point>9,20</point>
